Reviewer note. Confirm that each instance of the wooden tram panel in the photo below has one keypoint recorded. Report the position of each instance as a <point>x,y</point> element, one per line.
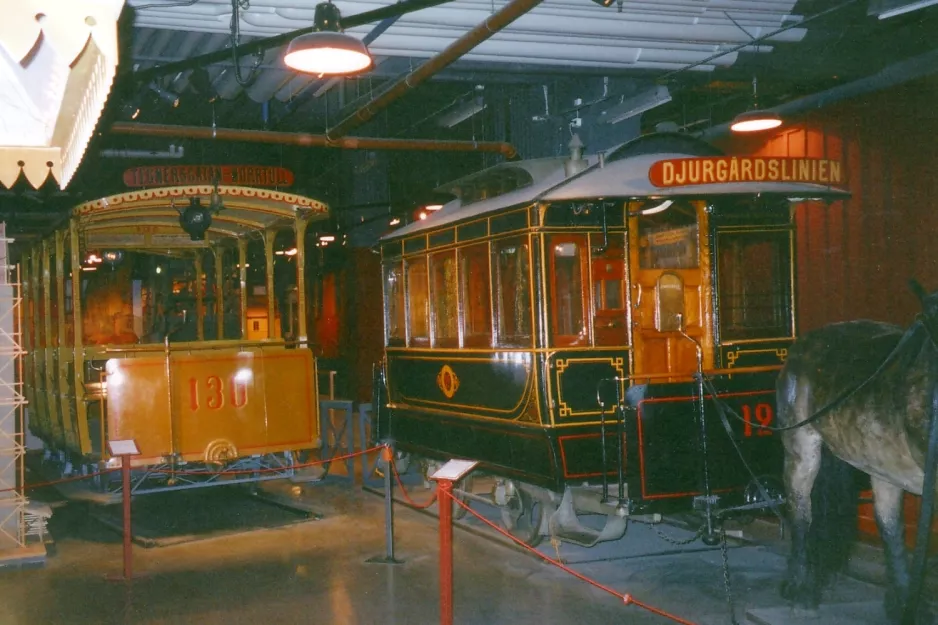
<point>214,405</point>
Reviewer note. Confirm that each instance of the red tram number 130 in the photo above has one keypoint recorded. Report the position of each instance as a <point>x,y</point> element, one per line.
<point>213,392</point>
<point>764,415</point>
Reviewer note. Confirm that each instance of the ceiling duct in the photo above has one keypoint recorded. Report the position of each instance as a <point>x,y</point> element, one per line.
<point>461,112</point>
<point>637,105</point>
<point>885,9</point>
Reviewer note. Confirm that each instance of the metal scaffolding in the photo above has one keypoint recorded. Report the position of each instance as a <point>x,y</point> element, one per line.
<point>13,538</point>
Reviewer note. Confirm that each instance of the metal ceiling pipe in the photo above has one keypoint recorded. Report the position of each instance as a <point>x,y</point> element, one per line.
<point>496,22</point>
<point>905,71</point>
<point>308,140</point>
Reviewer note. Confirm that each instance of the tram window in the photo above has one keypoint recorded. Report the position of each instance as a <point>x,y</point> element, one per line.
<point>512,292</point>
<point>609,316</point>
<point>474,295</point>
<point>417,301</point>
<point>568,266</point>
<point>668,240</point>
<point>394,303</point>
<point>443,304</point>
<point>755,285</point>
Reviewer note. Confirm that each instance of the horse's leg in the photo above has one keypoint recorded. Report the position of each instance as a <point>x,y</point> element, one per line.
<point>802,463</point>
<point>887,504</point>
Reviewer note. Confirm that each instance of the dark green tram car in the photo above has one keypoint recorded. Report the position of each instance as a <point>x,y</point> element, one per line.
<point>550,323</point>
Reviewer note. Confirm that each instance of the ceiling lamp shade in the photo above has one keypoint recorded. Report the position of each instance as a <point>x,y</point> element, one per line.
<point>755,120</point>
<point>327,51</point>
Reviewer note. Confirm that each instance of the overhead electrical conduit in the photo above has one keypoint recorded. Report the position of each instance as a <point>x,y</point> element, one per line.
<point>308,140</point>
<point>173,152</point>
<point>493,24</point>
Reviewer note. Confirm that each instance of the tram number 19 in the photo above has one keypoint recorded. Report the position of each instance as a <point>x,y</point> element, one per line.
<point>764,416</point>
<point>212,391</point>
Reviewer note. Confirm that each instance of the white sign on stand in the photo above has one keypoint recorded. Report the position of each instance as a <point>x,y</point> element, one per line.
<point>123,448</point>
<point>454,470</point>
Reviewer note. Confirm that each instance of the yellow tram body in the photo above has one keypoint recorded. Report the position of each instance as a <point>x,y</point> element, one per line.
<point>190,365</point>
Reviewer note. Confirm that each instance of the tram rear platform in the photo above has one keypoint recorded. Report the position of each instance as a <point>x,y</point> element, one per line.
<point>316,570</point>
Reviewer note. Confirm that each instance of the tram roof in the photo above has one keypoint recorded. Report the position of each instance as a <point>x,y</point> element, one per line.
<point>149,217</point>
<point>624,178</point>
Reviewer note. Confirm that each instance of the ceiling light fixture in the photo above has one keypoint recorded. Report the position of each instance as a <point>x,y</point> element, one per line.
<point>165,95</point>
<point>327,51</point>
<point>891,8</point>
<point>755,119</point>
<point>636,105</point>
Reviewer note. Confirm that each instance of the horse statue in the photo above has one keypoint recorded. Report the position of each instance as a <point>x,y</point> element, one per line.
<point>860,394</point>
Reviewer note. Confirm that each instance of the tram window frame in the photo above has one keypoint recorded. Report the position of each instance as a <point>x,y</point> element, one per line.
<point>736,319</point>
<point>410,283</point>
<point>676,226</point>
<point>475,294</point>
<point>520,333</point>
<point>395,312</point>
<point>579,279</point>
<point>608,266</point>
<point>444,286</point>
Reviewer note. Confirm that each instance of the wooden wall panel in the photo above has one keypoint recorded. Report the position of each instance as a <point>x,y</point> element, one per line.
<point>855,257</point>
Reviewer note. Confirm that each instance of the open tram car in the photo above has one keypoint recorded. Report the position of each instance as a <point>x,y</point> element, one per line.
<point>142,323</point>
<point>551,323</point>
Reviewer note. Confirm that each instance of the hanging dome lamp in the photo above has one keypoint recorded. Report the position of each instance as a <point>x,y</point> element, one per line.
<point>755,119</point>
<point>327,51</point>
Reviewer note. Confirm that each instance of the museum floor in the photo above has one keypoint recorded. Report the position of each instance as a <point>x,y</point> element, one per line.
<point>315,570</point>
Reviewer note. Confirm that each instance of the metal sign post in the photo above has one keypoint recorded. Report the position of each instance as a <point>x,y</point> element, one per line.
<point>124,450</point>
<point>445,477</point>
<point>387,454</point>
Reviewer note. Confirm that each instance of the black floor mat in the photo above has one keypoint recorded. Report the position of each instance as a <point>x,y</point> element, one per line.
<point>163,519</point>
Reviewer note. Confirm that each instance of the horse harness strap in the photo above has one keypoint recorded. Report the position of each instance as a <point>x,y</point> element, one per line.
<point>844,396</point>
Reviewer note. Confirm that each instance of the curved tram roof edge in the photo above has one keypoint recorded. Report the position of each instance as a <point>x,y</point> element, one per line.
<point>625,178</point>
<point>245,206</point>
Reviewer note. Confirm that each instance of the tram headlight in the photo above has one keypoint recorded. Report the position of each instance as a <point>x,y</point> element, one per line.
<point>195,219</point>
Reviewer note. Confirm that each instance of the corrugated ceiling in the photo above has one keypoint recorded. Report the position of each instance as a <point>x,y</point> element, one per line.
<point>566,35</point>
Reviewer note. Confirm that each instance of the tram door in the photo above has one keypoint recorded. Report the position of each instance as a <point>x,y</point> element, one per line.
<point>667,294</point>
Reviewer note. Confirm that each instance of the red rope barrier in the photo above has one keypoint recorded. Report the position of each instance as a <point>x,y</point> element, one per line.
<point>234,472</point>
<point>625,597</point>
<point>400,483</point>
<point>62,481</point>
<point>314,463</point>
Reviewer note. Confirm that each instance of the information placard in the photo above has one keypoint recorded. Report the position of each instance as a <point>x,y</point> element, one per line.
<point>454,470</point>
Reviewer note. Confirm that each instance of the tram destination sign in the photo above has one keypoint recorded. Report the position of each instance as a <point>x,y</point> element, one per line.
<point>177,175</point>
<point>678,172</point>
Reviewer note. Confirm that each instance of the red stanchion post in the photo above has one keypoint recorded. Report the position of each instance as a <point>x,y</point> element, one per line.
<point>447,475</point>
<point>445,503</point>
<point>125,449</point>
<point>125,490</point>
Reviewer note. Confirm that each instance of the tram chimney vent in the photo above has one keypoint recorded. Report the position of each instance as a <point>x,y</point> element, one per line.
<point>576,163</point>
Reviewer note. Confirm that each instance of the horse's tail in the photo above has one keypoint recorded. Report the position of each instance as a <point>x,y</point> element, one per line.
<point>833,529</point>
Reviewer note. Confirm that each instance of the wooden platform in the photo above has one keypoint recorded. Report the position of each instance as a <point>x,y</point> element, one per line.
<point>30,556</point>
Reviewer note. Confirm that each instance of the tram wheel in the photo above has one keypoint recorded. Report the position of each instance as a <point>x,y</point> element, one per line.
<point>466,485</point>
<point>521,516</point>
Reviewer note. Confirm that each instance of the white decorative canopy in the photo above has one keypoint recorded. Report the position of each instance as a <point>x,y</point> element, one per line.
<point>57,63</point>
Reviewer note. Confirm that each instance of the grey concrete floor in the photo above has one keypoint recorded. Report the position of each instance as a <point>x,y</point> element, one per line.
<point>316,572</point>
